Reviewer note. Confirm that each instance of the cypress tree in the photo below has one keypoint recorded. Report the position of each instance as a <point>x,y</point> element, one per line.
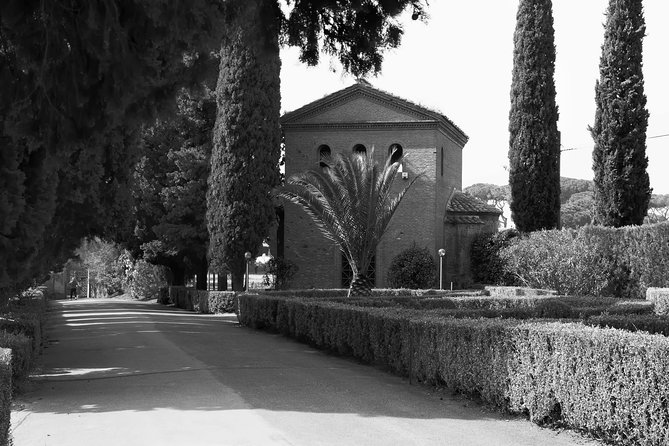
<point>622,186</point>
<point>245,154</point>
<point>534,149</point>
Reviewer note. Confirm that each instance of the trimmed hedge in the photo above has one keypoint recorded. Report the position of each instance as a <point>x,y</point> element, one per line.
<point>413,268</point>
<point>647,322</point>
<point>609,382</point>
<point>200,301</point>
<point>592,260</point>
<point>660,298</point>
<point>5,394</point>
<point>21,346</point>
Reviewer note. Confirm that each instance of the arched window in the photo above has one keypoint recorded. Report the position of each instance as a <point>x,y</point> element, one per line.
<point>323,152</point>
<point>395,152</point>
<point>359,148</point>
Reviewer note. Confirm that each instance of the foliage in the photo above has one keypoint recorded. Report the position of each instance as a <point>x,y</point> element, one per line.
<point>622,186</point>
<point>660,299</point>
<point>279,273</point>
<point>413,268</point>
<point>5,394</point>
<point>171,186</point>
<point>658,209</point>
<point>22,354</point>
<point>571,186</point>
<point>107,264</point>
<point>593,260</point>
<point>578,211</point>
<point>611,383</point>
<point>145,280</point>
<point>649,323</point>
<point>498,196</point>
<point>486,263</point>
<point>76,80</point>
<point>534,148</point>
<point>245,156</point>
<point>350,199</point>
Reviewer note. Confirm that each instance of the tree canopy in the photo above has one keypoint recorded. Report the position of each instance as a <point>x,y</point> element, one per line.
<point>76,79</point>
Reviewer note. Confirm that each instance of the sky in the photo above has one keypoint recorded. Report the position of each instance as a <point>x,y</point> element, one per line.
<point>460,62</point>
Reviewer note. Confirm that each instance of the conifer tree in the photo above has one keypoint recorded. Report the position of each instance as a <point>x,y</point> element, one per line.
<point>534,148</point>
<point>245,155</point>
<point>622,186</point>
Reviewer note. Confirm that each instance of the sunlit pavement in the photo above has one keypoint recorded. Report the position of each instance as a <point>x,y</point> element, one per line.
<point>118,372</point>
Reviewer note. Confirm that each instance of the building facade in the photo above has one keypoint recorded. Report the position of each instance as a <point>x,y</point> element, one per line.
<point>363,118</point>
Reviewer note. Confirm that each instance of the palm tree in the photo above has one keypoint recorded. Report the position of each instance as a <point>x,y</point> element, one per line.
<point>349,198</point>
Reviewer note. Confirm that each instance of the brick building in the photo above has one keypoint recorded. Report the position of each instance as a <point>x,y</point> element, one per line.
<point>433,214</point>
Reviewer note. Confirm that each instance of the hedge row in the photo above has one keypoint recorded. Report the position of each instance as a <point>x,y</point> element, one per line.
<point>647,322</point>
<point>609,382</point>
<point>593,260</point>
<point>200,301</point>
<point>5,394</point>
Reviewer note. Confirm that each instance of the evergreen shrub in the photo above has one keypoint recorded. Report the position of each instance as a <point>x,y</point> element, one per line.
<point>609,382</point>
<point>21,346</point>
<point>487,265</point>
<point>221,302</point>
<point>413,268</point>
<point>145,280</point>
<point>642,322</point>
<point>660,299</point>
<point>5,394</point>
<point>593,260</point>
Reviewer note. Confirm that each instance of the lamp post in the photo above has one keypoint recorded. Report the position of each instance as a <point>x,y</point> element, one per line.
<point>247,256</point>
<point>442,253</point>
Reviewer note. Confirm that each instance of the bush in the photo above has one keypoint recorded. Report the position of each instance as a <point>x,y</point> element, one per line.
<point>145,280</point>
<point>279,273</point>
<point>413,268</point>
<point>660,299</point>
<point>592,260</point>
<point>643,322</point>
<point>609,382</point>
<point>221,302</point>
<point>21,347</point>
<point>487,265</point>
<point>5,394</point>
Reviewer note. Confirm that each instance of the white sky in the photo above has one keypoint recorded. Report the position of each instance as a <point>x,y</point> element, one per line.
<point>460,64</point>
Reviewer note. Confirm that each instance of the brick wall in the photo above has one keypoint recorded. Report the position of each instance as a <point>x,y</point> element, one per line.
<point>419,219</point>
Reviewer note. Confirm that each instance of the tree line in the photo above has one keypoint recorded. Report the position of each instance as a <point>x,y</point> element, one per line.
<point>86,90</point>
<point>621,188</point>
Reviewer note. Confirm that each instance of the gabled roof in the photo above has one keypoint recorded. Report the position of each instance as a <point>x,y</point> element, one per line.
<point>464,208</point>
<point>363,88</point>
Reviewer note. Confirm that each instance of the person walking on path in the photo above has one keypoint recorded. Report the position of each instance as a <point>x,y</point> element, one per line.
<point>74,284</point>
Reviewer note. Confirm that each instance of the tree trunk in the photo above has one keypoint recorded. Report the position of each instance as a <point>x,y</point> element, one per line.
<point>238,272</point>
<point>202,272</point>
<point>222,281</point>
<point>178,275</point>
<point>360,286</point>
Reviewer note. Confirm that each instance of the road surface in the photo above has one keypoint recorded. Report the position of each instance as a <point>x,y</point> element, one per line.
<point>119,372</point>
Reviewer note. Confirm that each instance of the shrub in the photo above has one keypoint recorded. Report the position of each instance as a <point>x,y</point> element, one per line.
<point>592,260</point>
<point>643,322</point>
<point>609,382</point>
<point>660,299</point>
<point>25,324</point>
<point>5,394</point>
<point>413,268</point>
<point>221,302</point>
<point>145,280</point>
<point>486,263</point>
<point>279,273</point>
<point>21,347</point>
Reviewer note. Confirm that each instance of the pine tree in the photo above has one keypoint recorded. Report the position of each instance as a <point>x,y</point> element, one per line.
<point>534,148</point>
<point>622,186</point>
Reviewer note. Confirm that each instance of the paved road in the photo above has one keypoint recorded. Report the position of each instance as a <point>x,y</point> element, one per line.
<point>131,373</point>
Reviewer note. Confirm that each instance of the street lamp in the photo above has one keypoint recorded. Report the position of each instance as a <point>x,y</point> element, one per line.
<point>247,256</point>
<point>442,253</point>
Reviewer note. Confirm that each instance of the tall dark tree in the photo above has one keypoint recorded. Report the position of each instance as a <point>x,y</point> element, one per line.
<point>245,157</point>
<point>76,77</point>
<point>622,186</point>
<point>534,148</point>
<point>171,187</point>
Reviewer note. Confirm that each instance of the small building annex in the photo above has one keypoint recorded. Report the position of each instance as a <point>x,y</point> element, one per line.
<point>433,214</point>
